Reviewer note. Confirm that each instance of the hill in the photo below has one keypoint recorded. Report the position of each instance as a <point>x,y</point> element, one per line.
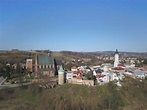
<point>131,96</point>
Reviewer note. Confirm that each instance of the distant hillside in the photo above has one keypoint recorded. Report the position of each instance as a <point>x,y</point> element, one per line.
<point>15,56</point>
<point>79,58</point>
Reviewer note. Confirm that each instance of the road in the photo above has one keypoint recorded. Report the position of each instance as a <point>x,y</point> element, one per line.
<point>13,85</point>
<point>18,84</point>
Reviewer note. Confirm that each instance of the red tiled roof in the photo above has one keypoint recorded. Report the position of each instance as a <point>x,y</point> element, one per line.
<point>79,77</point>
<point>100,76</point>
<point>118,68</point>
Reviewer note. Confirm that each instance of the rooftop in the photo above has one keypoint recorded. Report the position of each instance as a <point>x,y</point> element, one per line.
<point>44,59</point>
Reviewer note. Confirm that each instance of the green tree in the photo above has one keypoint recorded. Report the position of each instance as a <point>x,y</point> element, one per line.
<point>145,62</point>
<point>89,75</point>
<point>68,66</point>
<point>5,71</point>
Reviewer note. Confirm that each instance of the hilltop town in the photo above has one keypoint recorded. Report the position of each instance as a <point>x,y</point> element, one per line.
<point>76,67</point>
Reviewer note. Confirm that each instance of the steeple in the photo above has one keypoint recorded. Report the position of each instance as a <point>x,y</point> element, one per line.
<point>61,76</point>
<point>116,52</point>
<point>61,69</point>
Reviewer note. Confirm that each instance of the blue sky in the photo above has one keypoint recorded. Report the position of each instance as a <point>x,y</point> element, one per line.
<point>76,25</point>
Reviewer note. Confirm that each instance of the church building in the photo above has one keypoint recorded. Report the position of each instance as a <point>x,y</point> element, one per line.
<point>44,64</point>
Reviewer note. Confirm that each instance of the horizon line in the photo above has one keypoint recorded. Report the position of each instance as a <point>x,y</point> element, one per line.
<point>71,50</point>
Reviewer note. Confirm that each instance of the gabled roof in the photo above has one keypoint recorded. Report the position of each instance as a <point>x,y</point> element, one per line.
<point>44,59</point>
<point>100,76</point>
<point>117,68</point>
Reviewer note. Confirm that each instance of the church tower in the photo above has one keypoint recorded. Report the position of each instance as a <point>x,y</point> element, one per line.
<point>61,76</point>
<point>116,58</point>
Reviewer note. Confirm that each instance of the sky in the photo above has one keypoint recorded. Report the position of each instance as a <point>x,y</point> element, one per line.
<point>74,25</point>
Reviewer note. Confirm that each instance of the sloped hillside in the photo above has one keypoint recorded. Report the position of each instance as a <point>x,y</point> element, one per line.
<point>131,96</point>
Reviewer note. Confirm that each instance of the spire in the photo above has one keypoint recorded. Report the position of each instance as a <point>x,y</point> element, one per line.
<point>116,52</point>
<point>61,69</point>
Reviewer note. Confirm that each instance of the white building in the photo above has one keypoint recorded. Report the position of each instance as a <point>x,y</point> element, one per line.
<point>61,75</point>
<point>69,75</point>
<point>116,58</point>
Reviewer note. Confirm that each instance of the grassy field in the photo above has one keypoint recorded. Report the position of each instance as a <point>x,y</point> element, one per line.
<point>132,96</point>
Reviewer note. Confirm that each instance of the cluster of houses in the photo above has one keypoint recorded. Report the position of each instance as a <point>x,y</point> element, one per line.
<point>105,73</point>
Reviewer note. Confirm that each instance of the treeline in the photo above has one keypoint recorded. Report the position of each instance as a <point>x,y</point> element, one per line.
<point>14,56</point>
<point>79,54</point>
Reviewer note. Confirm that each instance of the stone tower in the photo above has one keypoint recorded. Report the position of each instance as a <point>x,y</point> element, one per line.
<point>61,76</point>
<point>116,58</point>
<point>29,64</point>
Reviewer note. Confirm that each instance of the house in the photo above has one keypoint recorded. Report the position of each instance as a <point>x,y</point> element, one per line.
<point>69,75</point>
<point>20,64</point>
<point>100,78</point>
<point>121,76</point>
<point>8,64</point>
<point>140,74</point>
<point>129,65</point>
<point>108,76</point>
<point>44,65</point>
<point>106,66</point>
<point>79,79</point>
<point>14,66</point>
<point>74,68</point>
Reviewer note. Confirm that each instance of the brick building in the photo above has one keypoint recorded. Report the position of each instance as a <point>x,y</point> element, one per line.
<point>44,64</point>
<point>29,65</point>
